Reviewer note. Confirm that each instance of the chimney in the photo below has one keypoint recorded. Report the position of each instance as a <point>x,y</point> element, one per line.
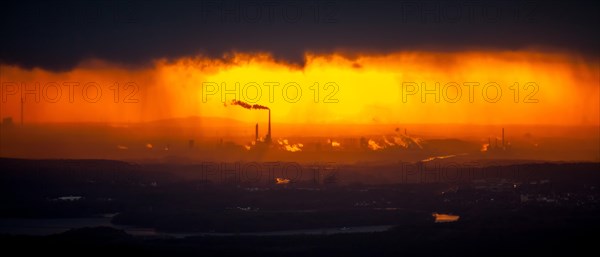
<point>22,103</point>
<point>256,133</point>
<point>269,133</point>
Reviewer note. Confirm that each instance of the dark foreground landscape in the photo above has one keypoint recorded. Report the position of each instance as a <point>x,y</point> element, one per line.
<point>97,207</point>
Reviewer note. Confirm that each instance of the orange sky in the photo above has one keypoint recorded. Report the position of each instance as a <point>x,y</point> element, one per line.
<point>554,88</point>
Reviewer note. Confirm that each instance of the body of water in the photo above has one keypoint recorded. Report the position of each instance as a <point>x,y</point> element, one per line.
<point>44,227</point>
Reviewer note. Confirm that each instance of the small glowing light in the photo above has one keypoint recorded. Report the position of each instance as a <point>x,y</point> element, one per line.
<point>281,181</point>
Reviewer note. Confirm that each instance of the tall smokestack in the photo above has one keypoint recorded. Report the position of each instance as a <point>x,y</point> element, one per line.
<point>22,103</point>
<point>256,133</point>
<point>269,133</point>
<point>255,107</point>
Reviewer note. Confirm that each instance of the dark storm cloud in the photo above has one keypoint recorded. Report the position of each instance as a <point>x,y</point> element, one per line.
<point>58,36</point>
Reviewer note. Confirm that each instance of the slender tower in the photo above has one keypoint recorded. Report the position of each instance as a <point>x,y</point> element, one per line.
<point>22,103</point>
<point>256,133</point>
<point>269,133</point>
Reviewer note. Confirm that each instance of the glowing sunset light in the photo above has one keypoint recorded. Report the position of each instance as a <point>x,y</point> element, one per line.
<point>462,87</point>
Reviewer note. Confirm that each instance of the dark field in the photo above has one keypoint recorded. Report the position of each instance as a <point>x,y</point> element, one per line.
<point>528,207</point>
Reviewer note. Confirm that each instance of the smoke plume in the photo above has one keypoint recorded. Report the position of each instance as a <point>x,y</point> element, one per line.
<point>249,106</point>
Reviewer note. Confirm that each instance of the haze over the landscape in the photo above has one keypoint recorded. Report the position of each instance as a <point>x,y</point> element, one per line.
<point>462,95</point>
